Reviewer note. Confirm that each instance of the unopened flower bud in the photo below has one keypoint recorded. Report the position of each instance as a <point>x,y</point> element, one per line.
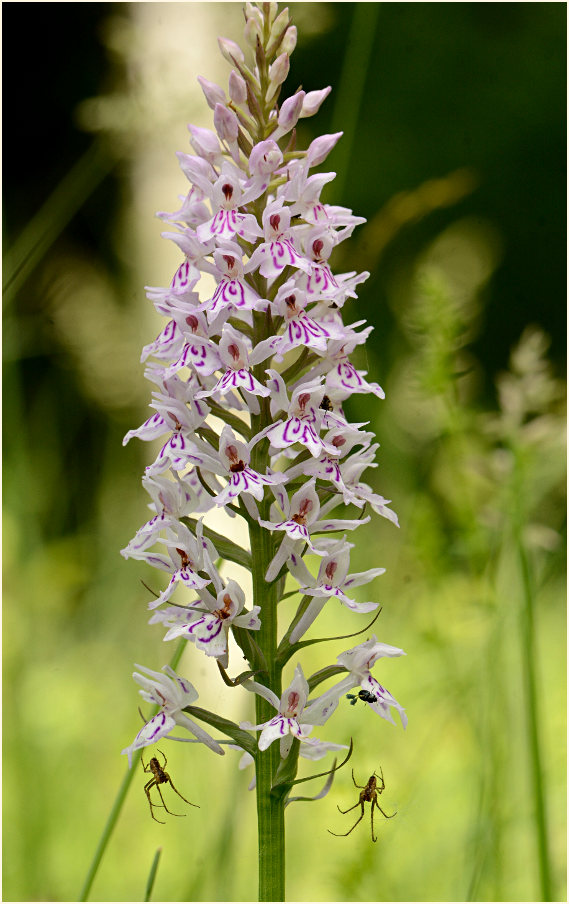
<point>252,32</point>
<point>205,143</point>
<point>273,8</point>
<point>312,102</point>
<point>230,50</point>
<point>279,25</point>
<point>290,112</point>
<point>253,12</point>
<point>213,93</point>
<point>321,147</point>
<point>226,123</point>
<point>288,43</point>
<point>237,88</point>
<point>279,70</point>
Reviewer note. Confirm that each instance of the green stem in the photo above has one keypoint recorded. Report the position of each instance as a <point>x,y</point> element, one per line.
<point>270,806</point>
<point>527,637</point>
<point>271,831</point>
<point>270,801</point>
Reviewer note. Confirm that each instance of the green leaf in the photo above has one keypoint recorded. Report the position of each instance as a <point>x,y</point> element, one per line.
<point>233,682</point>
<point>251,649</point>
<point>286,652</point>
<point>225,547</point>
<point>334,768</point>
<point>242,738</point>
<point>329,672</point>
<point>287,649</point>
<point>329,781</point>
<point>285,775</point>
<point>320,795</point>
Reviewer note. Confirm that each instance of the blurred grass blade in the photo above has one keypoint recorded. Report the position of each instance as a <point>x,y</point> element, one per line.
<point>119,800</point>
<point>51,219</point>
<point>351,85</point>
<point>529,659</point>
<point>152,875</point>
<point>109,826</point>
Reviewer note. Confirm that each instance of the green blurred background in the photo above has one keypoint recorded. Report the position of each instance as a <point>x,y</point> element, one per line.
<point>454,150</point>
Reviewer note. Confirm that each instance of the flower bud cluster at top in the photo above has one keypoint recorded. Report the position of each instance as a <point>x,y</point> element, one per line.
<point>268,353</point>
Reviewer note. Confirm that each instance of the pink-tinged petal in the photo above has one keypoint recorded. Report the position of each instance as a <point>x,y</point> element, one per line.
<point>294,698</point>
<point>152,428</point>
<point>232,293</point>
<point>314,749</point>
<point>247,381</point>
<point>305,331</point>
<point>360,659</point>
<point>236,379</point>
<point>291,528</point>
<point>339,524</point>
<point>264,692</point>
<point>245,481</point>
<point>377,503</point>
<point>249,620</point>
<point>158,727</point>
<point>384,700</point>
<point>211,637</point>
<point>147,535</point>
<point>320,281</point>
<point>167,344</point>
<point>353,604</point>
<point>295,430</point>
<point>278,255</point>
<point>199,733</point>
<point>320,709</point>
<point>276,729</point>
<point>265,157</point>
<point>346,379</point>
<point>155,559</point>
<point>189,579</point>
<point>185,277</point>
<point>329,592</point>
<point>201,356</point>
<point>362,577</point>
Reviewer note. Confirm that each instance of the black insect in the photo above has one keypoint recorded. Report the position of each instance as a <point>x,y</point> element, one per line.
<point>366,696</point>
<point>326,404</point>
<point>160,778</point>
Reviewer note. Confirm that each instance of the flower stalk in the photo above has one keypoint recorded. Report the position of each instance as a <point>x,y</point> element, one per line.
<point>268,353</point>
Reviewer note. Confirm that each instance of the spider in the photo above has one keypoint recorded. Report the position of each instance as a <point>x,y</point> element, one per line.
<point>369,793</point>
<point>160,778</point>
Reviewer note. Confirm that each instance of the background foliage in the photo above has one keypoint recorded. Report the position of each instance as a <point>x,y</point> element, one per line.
<point>454,150</point>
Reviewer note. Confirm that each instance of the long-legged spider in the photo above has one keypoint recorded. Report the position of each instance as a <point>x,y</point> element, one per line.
<point>369,793</point>
<point>160,777</point>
